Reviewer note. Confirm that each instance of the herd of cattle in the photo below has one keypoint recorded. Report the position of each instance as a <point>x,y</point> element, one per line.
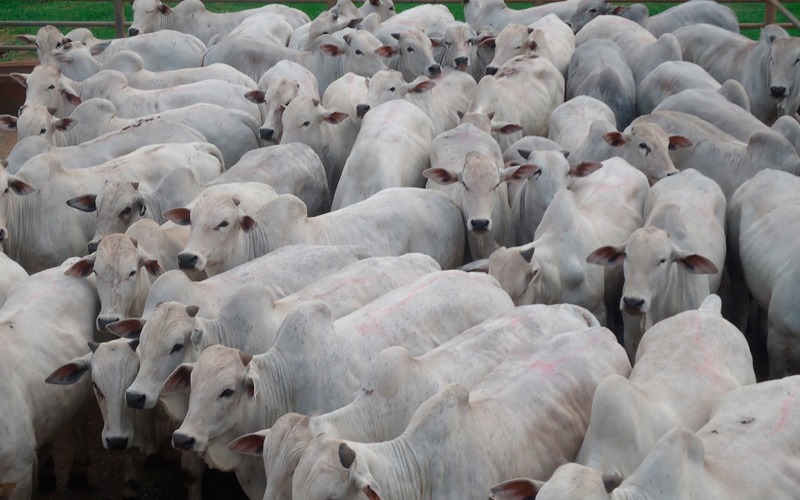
<point>261,237</point>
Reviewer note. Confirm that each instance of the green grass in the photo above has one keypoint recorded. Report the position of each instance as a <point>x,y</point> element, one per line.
<point>43,10</point>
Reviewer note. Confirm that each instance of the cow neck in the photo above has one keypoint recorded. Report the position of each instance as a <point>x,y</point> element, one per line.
<point>257,242</point>
<point>357,421</point>
<point>67,107</point>
<point>275,387</point>
<point>550,282</point>
<point>167,22</point>
<point>395,467</point>
<point>216,331</point>
<point>143,283</point>
<point>20,214</point>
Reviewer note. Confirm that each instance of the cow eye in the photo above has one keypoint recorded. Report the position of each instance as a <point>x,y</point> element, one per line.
<point>176,348</point>
<point>391,89</point>
<point>643,145</point>
<point>126,211</point>
<point>662,261</point>
<point>410,49</point>
<point>42,131</point>
<point>6,190</point>
<point>132,273</point>
<point>226,393</point>
<point>222,224</point>
<point>592,10</point>
<point>391,8</point>
<point>306,123</point>
<point>98,391</point>
<point>358,52</point>
<point>51,87</point>
<point>797,60</point>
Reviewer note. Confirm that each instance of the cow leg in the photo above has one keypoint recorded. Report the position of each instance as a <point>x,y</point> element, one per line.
<point>78,472</point>
<point>130,486</point>
<point>46,476</point>
<point>193,468</point>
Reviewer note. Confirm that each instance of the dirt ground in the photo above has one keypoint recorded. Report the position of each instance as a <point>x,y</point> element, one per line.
<point>165,481</point>
<point>7,141</point>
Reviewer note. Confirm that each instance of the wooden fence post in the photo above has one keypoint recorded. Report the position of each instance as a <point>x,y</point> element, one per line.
<point>769,12</point>
<point>119,18</point>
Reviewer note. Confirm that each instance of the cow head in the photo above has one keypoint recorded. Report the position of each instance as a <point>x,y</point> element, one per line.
<point>277,97</point>
<point>646,146</point>
<point>457,46</point>
<point>586,11</point>
<point>415,50</point>
<point>148,16</point>
<point>514,40</point>
<point>47,87</point>
<point>10,186</point>
<point>784,70</point>
<point>118,206</point>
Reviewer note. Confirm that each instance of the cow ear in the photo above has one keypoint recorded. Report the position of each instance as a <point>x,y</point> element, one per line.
<point>140,201</point>
<point>99,48</point>
<point>179,380</point>
<point>19,186</point>
<point>611,482</point>
<point>71,372</point>
<point>346,456</point>
<point>519,172</point>
<point>527,252</point>
<point>196,336</point>
<point>441,176</point>
<point>607,256</point>
<point>64,124</point>
<point>250,386</point>
<point>679,142</point>
<point>436,42</point>
<point>150,264</point>
<point>476,266</point>
<point>255,96</point>
<point>614,139</point>
<point>584,168</point>
<point>164,9</point>
<point>71,96</point>
<point>8,122</point>
<point>695,264</point>
<point>488,43</point>
<point>618,10</point>
<point>248,223</point>
<point>505,127</point>
<point>334,117</point>
<point>387,51</point>
<point>82,268</point>
<point>180,216</point>
<point>26,38</point>
<point>331,49</point>
<point>127,328</point>
<point>84,203</point>
<point>21,78</point>
<point>249,444</point>
<point>517,489</point>
<point>421,85</point>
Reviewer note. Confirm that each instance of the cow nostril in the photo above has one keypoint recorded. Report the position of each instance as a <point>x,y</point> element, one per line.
<point>491,70</point>
<point>266,133</point>
<point>117,443</point>
<point>777,91</point>
<point>133,31</point>
<point>435,69</point>
<point>182,442</point>
<point>633,302</point>
<point>187,260</point>
<point>2,234</point>
<point>479,225</point>
<point>135,400</point>
<point>362,109</point>
<point>102,323</point>
<point>92,246</point>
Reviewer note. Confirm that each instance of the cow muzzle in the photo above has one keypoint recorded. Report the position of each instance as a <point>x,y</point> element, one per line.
<point>104,321</point>
<point>462,63</point>
<point>634,305</point>
<point>116,443</point>
<point>480,225</point>
<point>188,260</point>
<point>135,400</point>
<point>133,31</point>
<point>362,109</point>
<point>182,441</point>
<point>266,133</point>
<point>778,92</point>
<point>3,234</point>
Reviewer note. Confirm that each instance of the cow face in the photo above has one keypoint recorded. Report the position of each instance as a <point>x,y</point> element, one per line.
<point>148,16</point>
<point>457,45</point>
<point>569,481</point>
<point>10,186</point>
<point>331,469</point>
<point>586,11</point>
<point>37,121</point>
<point>219,387</point>
<point>416,55</point>
<point>303,119</point>
<point>283,447</point>
<point>48,88</point>
<point>646,147</point>
<point>277,98</point>
<point>113,366</point>
<point>165,344</point>
<point>515,40</point>
<point>784,71</point>
<point>361,53</point>
<point>515,270</point>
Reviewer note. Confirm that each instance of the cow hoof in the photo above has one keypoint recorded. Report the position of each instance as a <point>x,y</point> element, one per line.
<point>77,481</point>
<point>47,483</point>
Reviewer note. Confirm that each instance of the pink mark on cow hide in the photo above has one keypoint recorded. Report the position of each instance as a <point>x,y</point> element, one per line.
<point>786,409</point>
<point>552,367</point>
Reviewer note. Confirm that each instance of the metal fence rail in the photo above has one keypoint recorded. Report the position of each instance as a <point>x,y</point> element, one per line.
<point>771,8</point>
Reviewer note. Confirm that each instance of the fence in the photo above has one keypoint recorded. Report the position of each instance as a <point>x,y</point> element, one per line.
<point>771,8</point>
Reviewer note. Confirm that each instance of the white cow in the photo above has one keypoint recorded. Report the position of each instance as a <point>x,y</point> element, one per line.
<point>330,134</point>
<point>11,273</point>
<point>496,14</point>
<point>42,188</point>
<point>456,49</point>
<point>571,122</point>
<point>192,17</point>
<point>548,37</point>
<point>731,56</point>
<point>112,366</point>
<point>268,385</point>
<point>105,148</point>
<point>691,12</point>
<point>529,414</point>
<point>683,238</point>
<point>763,210</point>
<point>234,132</point>
<point>524,92</point>
<point>250,318</point>
<point>430,19</point>
<point>276,89</point>
<point>598,69</point>
<point>748,435</point>
<point>396,384</point>
<point>642,50</point>
<point>669,78</point>
<point>124,273</point>
<point>413,55</point>
<point>129,102</point>
<point>76,62</point>
<point>783,74</point>
<point>346,93</point>
<point>284,221</point>
<point>392,149</point>
<point>56,313</point>
<point>742,160</point>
